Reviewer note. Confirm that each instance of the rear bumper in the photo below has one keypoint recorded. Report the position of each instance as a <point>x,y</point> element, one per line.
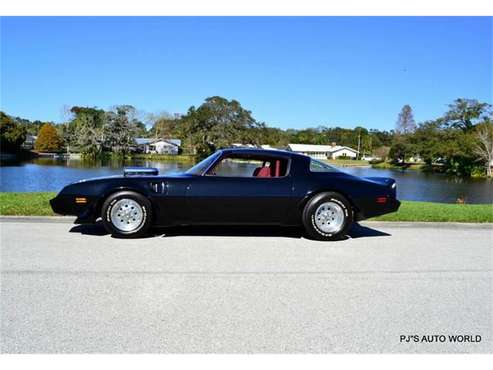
<point>66,205</point>
<point>374,209</point>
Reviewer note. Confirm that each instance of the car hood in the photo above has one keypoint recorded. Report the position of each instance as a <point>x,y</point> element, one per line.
<point>160,176</point>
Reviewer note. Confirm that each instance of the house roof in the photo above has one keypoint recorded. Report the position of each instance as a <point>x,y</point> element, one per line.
<point>145,140</point>
<point>310,148</point>
<point>338,148</point>
<point>240,145</point>
<point>165,142</point>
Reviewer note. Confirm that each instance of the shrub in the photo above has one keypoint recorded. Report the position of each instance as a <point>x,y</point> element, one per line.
<point>12,135</point>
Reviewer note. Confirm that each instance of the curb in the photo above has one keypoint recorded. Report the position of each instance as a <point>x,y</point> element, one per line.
<point>431,225</point>
<point>40,219</point>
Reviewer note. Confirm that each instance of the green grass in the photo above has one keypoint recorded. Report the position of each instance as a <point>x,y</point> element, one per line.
<point>440,212</point>
<point>36,204</point>
<point>388,165</point>
<point>347,162</point>
<point>26,204</point>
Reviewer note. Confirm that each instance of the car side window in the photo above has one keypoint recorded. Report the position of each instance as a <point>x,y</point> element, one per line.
<point>317,166</point>
<point>250,167</point>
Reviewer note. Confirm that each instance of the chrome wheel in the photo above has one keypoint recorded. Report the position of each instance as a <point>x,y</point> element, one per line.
<point>329,217</point>
<point>127,215</point>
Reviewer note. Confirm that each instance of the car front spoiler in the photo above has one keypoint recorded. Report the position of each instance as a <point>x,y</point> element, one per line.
<point>65,204</point>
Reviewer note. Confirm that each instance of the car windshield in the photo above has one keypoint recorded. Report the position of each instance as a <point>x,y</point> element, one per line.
<point>317,166</point>
<point>200,167</point>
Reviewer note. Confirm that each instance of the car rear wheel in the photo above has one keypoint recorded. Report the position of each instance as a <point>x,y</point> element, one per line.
<point>327,216</point>
<point>126,214</point>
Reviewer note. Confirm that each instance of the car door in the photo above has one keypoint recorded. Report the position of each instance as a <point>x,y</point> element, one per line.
<point>239,200</point>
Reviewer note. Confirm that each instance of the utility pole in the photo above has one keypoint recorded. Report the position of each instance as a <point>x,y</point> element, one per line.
<point>359,143</point>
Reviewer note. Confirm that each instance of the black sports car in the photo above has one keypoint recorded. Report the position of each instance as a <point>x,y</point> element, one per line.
<point>232,186</point>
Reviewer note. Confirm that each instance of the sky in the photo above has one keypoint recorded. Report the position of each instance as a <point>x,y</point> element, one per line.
<point>291,72</point>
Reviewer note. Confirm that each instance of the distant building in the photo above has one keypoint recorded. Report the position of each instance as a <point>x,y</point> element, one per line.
<point>370,158</point>
<point>415,159</point>
<point>29,142</point>
<point>142,144</point>
<point>164,147</point>
<point>159,146</point>
<point>239,145</point>
<point>324,151</point>
<point>268,147</point>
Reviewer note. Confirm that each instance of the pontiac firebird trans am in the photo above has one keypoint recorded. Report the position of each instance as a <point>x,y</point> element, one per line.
<point>232,186</point>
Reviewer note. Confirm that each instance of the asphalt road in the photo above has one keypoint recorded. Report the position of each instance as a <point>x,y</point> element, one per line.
<point>67,288</point>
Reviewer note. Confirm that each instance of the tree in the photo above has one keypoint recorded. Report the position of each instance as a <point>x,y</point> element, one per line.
<point>119,129</point>
<point>32,128</point>
<point>484,145</point>
<point>450,147</point>
<point>85,130</point>
<point>218,123</point>
<point>48,139</point>
<point>400,151</point>
<point>140,129</point>
<point>165,127</point>
<point>381,152</point>
<point>465,113</point>
<point>12,135</point>
<point>405,121</point>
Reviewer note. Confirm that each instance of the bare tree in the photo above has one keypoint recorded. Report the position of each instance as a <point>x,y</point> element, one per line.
<point>484,145</point>
<point>405,121</point>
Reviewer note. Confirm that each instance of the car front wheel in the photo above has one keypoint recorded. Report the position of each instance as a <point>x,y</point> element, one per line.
<point>126,214</point>
<point>327,216</point>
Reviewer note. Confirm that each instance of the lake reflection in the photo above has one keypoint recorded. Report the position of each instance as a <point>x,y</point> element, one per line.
<point>47,174</point>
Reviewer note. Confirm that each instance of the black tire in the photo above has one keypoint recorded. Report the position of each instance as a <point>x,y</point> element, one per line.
<point>141,228</point>
<point>308,216</point>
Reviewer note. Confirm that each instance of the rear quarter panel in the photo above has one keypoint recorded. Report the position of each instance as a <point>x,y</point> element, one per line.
<point>360,193</point>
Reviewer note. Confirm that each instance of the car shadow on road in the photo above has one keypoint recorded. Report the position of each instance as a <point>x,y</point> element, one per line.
<point>357,231</point>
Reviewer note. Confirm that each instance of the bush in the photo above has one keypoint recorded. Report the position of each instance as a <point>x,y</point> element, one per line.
<point>12,135</point>
<point>48,139</point>
<point>376,161</point>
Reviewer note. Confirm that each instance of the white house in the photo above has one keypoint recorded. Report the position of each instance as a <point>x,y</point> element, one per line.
<point>240,145</point>
<point>165,146</point>
<point>29,142</point>
<point>324,151</point>
<point>159,146</point>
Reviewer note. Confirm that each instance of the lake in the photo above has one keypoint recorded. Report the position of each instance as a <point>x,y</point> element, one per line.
<point>48,174</point>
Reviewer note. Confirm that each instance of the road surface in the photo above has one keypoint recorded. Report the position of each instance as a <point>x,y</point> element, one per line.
<point>74,289</point>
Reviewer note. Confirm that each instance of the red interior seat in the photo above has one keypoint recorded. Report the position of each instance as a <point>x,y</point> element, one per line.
<point>262,172</point>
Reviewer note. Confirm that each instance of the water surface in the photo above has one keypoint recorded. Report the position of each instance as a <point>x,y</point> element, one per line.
<point>47,174</point>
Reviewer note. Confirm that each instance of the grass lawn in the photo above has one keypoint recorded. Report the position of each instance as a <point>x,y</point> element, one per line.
<point>36,204</point>
<point>440,212</point>
<point>387,165</point>
<point>26,204</point>
<point>347,162</point>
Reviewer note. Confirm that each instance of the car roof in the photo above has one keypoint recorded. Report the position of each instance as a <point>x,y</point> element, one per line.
<point>257,151</point>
